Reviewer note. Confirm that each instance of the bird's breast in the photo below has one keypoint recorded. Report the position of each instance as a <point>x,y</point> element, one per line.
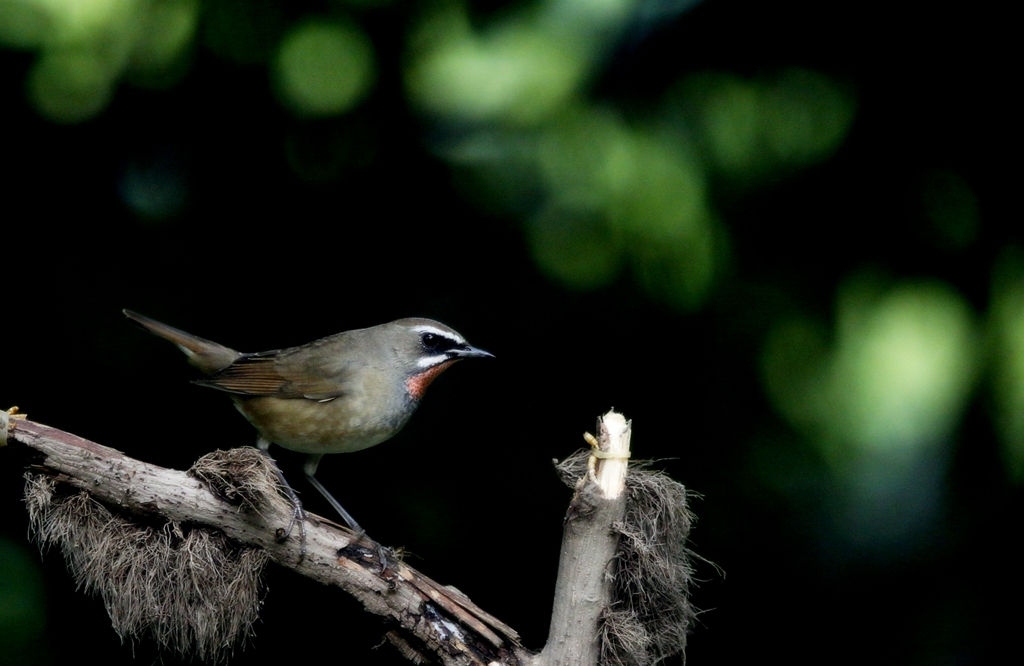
<point>344,424</point>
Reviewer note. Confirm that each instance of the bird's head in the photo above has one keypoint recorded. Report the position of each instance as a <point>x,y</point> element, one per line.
<point>426,348</point>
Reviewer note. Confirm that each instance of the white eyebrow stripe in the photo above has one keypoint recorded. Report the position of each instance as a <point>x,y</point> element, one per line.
<point>427,328</point>
<point>430,361</point>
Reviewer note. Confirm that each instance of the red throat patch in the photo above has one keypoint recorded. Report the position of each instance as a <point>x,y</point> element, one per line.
<point>417,384</point>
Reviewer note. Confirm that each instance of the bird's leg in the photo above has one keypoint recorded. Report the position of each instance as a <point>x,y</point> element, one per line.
<point>312,462</point>
<point>298,514</point>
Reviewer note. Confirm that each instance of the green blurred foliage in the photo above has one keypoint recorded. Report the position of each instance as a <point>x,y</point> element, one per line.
<point>881,398</point>
<point>895,378</point>
<point>619,196</point>
<point>517,71</point>
<point>750,129</point>
<point>86,46</point>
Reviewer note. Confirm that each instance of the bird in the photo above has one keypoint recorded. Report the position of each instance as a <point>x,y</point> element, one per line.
<point>345,392</point>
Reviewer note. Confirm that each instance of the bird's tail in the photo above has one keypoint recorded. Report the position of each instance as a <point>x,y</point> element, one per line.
<point>208,356</point>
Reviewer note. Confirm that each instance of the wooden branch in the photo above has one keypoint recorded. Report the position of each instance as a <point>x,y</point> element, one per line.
<point>223,494</point>
<point>589,543</point>
<point>434,618</point>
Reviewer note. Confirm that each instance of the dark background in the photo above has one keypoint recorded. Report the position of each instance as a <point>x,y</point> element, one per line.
<point>269,228</point>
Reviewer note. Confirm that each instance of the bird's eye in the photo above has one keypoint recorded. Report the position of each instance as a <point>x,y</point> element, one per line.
<point>436,344</point>
<point>431,342</point>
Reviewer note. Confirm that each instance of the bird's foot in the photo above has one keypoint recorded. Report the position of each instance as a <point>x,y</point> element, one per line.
<point>383,552</point>
<point>298,516</point>
<point>298,513</point>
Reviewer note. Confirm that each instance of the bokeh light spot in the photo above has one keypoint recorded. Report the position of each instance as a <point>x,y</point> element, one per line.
<point>69,86</point>
<point>516,72</point>
<point>750,128</point>
<point>806,116</point>
<point>324,68</point>
<point>905,363</point>
<point>881,402</point>
<point>642,191</point>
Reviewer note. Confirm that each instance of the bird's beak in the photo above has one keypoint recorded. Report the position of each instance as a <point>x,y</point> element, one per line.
<point>469,352</point>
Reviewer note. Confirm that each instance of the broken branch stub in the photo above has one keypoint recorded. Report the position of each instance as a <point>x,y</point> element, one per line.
<point>622,596</point>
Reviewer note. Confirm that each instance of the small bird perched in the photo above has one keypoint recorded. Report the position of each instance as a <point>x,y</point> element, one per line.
<point>342,393</point>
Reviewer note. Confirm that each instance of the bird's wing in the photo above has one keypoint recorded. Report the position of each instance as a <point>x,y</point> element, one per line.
<point>282,374</point>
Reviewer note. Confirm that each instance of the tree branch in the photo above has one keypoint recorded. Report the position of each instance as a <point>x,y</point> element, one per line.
<point>583,590</point>
<point>178,556</point>
<point>429,616</point>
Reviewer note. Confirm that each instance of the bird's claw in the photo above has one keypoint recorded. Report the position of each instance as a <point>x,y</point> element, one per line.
<point>298,516</point>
